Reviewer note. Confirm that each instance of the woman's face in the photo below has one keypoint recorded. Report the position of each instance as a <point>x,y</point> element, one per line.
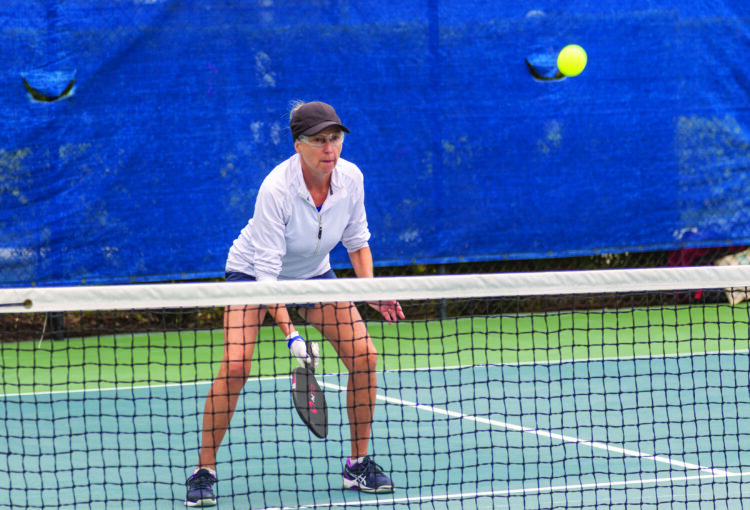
<point>320,153</point>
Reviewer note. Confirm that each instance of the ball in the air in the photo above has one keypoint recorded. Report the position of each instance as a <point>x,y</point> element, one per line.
<point>571,60</point>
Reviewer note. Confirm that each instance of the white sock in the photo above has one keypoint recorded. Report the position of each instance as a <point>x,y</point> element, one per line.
<point>354,462</point>
<point>212,471</point>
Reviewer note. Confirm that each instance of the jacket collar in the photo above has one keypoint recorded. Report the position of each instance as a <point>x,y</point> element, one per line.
<point>336,183</point>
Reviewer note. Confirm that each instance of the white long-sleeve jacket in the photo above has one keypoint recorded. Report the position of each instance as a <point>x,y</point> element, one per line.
<point>287,237</point>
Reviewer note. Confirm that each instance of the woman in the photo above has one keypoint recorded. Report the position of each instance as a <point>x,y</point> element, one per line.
<point>305,207</point>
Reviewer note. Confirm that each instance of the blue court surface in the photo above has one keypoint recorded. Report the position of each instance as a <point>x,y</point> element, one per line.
<point>620,433</point>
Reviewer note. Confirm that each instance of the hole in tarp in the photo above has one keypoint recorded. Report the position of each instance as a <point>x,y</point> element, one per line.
<point>47,87</point>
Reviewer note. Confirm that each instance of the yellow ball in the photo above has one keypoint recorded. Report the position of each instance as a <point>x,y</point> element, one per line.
<point>571,60</point>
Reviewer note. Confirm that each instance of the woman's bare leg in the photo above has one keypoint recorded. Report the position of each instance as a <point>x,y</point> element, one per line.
<point>241,324</point>
<point>343,326</point>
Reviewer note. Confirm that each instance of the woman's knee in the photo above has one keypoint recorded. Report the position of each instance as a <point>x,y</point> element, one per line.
<point>236,372</point>
<point>365,361</point>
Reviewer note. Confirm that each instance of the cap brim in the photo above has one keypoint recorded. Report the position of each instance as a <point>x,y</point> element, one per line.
<point>317,128</point>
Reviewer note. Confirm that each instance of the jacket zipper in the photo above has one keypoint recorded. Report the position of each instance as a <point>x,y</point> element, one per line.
<point>320,232</point>
<point>320,222</point>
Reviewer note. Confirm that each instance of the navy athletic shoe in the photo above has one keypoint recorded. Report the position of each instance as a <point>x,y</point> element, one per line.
<point>199,492</point>
<point>366,476</point>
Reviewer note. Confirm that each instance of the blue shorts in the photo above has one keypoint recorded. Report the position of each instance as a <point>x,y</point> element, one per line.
<point>236,276</point>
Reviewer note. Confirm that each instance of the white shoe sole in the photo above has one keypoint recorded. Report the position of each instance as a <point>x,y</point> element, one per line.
<point>351,484</point>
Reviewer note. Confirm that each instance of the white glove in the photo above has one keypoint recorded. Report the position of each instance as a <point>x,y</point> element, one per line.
<point>298,348</point>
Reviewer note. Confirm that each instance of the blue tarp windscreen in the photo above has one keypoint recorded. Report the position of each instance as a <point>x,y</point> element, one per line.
<point>135,133</point>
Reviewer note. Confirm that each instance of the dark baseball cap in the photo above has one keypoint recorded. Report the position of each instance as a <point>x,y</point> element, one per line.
<point>312,118</point>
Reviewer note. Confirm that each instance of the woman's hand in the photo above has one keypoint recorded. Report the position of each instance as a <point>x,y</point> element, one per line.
<point>389,309</point>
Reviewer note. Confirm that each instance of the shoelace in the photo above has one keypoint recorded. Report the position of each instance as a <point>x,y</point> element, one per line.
<point>201,480</point>
<point>369,466</point>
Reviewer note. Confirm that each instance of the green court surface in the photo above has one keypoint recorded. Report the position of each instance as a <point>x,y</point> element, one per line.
<point>189,356</point>
<point>587,408</point>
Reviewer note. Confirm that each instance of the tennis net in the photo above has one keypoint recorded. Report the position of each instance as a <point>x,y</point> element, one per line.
<point>592,389</point>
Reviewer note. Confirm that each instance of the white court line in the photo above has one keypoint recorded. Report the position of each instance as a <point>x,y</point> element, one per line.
<point>380,501</point>
<point>710,473</point>
<point>418,369</point>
